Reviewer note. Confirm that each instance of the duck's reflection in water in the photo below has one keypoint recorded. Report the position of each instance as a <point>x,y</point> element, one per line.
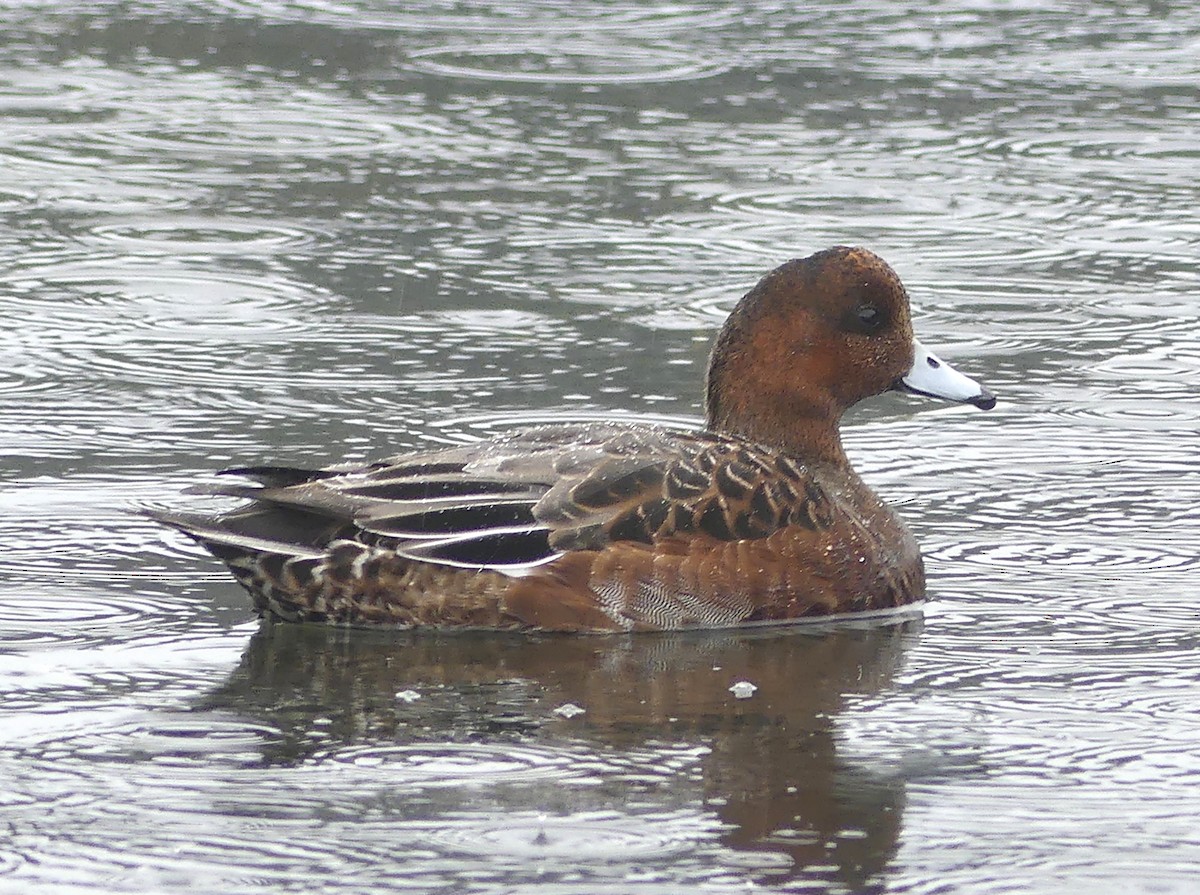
<point>768,770</point>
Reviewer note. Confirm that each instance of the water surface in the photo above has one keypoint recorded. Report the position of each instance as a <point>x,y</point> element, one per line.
<point>313,232</point>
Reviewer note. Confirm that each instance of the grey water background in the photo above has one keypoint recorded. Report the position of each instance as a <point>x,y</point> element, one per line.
<point>240,232</point>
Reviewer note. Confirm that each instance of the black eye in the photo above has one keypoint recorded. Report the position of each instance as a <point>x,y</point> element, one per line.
<point>866,318</point>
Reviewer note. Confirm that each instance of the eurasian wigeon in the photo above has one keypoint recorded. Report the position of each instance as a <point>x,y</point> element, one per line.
<point>609,526</point>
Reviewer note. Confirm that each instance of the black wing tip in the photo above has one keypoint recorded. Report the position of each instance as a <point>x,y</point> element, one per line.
<point>273,476</point>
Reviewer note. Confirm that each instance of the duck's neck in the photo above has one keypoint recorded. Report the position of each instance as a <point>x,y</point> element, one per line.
<point>759,386</point>
<point>800,428</point>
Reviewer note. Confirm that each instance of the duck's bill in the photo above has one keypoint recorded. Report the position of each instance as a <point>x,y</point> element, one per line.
<point>932,376</point>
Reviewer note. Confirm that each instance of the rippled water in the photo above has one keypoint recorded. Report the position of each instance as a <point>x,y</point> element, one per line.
<point>315,231</point>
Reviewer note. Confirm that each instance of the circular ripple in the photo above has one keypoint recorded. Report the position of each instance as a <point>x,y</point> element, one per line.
<point>1148,412</point>
<point>133,321</point>
<point>580,837</point>
<point>536,17</point>
<point>453,764</point>
<point>182,740</point>
<point>578,64</point>
<point>153,292</point>
<point>1019,555</point>
<point>293,132</point>
<point>207,236</point>
<point>1167,363</point>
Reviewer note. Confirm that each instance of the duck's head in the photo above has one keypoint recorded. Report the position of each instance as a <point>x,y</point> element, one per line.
<point>814,337</point>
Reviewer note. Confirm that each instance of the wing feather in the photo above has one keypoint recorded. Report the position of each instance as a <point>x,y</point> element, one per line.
<point>527,497</point>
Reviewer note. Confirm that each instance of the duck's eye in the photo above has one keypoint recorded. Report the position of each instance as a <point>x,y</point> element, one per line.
<point>867,318</point>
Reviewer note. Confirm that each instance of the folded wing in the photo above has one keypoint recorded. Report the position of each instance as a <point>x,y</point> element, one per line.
<point>524,499</point>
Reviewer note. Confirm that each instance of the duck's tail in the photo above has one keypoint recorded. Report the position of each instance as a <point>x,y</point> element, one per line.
<point>279,572</point>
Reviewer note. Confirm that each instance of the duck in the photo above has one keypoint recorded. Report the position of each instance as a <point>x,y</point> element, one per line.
<point>622,526</point>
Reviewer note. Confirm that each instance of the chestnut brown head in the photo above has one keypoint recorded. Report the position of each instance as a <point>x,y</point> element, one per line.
<point>814,337</point>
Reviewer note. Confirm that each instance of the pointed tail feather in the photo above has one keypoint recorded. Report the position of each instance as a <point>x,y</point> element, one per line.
<point>212,533</point>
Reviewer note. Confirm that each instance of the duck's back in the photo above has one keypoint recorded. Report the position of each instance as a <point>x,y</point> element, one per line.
<point>599,526</point>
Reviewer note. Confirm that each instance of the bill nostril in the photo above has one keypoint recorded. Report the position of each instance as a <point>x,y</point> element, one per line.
<point>933,362</point>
